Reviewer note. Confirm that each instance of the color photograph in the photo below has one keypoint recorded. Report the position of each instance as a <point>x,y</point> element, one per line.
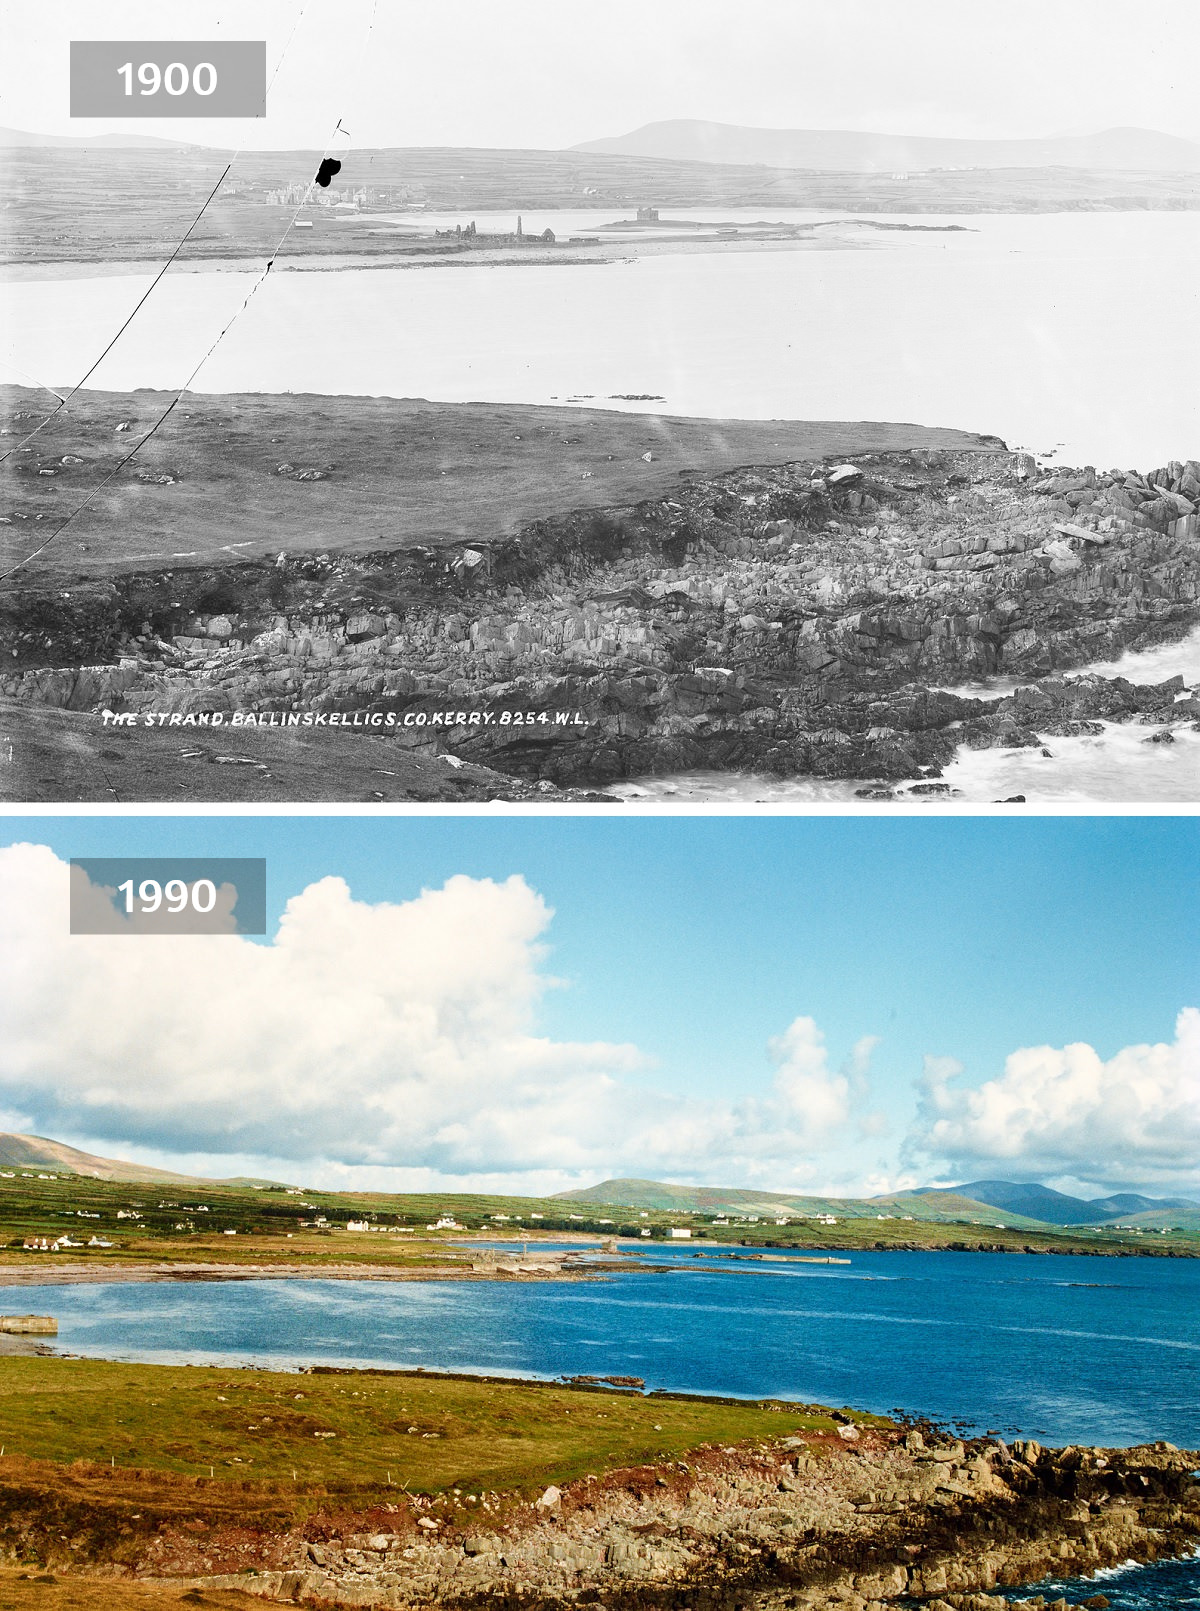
<point>851,1164</point>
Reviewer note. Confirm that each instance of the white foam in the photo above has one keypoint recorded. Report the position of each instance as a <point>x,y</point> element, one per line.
<point>1120,765</point>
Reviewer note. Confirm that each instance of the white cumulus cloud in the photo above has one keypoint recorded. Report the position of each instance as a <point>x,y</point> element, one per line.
<point>1128,1120</point>
<point>384,1036</point>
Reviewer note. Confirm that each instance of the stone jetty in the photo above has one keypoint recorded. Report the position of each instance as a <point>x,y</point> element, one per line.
<point>29,1325</point>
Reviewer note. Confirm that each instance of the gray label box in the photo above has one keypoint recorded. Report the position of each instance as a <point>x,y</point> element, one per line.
<point>168,895</point>
<point>168,78</point>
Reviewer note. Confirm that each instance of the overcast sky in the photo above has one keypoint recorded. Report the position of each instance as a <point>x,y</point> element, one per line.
<point>551,73</point>
<point>527,1005</point>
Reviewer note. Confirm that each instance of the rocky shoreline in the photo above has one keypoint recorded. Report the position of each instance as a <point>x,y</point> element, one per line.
<point>800,619</point>
<point>860,1520</point>
<point>533,1267</point>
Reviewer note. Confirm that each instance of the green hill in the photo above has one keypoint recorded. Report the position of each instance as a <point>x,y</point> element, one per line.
<point>38,1154</point>
<point>934,1207</point>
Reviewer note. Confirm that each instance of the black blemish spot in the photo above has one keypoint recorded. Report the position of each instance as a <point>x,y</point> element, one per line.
<point>329,166</point>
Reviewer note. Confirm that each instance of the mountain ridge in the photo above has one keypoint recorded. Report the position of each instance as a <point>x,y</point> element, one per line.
<point>1023,1197</point>
<point>40,1152</point>
<point>22,139</point>
<point>974,1200</point>
<point>856,151</point>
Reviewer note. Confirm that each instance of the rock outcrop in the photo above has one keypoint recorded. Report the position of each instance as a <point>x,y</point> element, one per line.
<point>806,619</point>
<point>812,1523</point>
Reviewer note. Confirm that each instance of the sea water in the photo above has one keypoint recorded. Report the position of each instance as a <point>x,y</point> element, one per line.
<point>1120,765</point>
<point>1074,334</point>
<point>1065,1349</point>
<point>1166,1586</point>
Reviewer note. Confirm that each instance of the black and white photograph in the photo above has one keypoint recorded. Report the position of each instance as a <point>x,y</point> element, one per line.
<point>663,403</point>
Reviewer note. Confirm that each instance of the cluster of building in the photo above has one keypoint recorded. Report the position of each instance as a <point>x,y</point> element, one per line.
<point>294,195</point>
<point>468,235</point>
<point>61,1244</point>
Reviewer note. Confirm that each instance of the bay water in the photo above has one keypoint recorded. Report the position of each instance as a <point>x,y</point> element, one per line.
<point>1067,334</point>
<point>1073,335</point>
<point>1082,1349</point>
<point>1060,1348</point>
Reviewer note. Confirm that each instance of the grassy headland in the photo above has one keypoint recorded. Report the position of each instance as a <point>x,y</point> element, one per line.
<point>223,482</point>
<point>399,1490</point>
<point>356,1431</point>
<point>104,206</point>
<point>152,1229</point>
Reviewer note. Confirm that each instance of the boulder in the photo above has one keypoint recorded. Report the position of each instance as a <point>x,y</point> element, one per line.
<point>360,627</point>
<point>481,1544</point>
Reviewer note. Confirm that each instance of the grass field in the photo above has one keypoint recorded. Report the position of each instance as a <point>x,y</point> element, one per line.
<point>354,1432</point>
<point>399,472</point>
<point>110,1463</point>
<point>60,755</point>
<point>188,1224</point>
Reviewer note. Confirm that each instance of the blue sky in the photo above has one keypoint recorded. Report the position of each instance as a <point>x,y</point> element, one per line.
<point>698,940</point>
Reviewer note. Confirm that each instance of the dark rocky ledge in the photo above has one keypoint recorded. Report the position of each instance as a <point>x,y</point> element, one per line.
<point>797,619</point>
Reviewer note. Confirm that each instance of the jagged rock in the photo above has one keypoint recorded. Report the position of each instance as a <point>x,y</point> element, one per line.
<point>678,637</point>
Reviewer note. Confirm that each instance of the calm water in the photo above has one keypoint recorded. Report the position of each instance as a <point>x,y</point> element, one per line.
<point>1069,332</point>
<point>1065,1349</point>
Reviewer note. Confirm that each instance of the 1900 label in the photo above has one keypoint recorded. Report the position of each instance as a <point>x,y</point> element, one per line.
<point>168,78</point>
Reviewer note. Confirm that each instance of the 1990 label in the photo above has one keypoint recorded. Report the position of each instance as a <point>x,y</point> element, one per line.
<point>168,895</point>
<point>168,78</point>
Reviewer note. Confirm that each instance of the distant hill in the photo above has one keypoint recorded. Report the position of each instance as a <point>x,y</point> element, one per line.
<point>1130,1202</point>
<point>1157,1219</point>
<point>843,151</point>
<point>18,137</point>
<point>1057,1208</point>
<point>935,1207</point>
<point>37,1153</point>
<point>956,1203</point>
<point>980,1202</point>
<point>658,1194</point>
